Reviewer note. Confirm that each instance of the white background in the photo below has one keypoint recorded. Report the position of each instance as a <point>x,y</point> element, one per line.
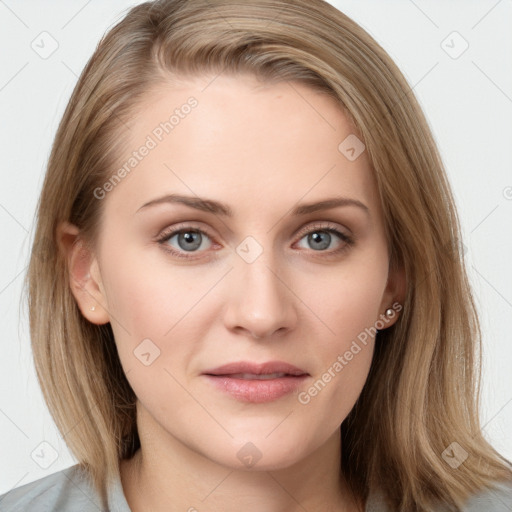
<point>468,103</point>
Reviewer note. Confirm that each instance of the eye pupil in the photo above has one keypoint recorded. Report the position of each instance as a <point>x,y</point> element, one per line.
<point>316,238</point>
<point>190,237</point>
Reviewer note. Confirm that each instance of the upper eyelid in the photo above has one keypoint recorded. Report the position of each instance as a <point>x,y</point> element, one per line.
<point>319,225</point>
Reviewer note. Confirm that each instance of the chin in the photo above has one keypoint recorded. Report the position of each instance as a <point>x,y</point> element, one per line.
<point>258,453</point>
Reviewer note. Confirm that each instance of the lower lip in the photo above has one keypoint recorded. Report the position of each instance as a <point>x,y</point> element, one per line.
<point>256,391</point>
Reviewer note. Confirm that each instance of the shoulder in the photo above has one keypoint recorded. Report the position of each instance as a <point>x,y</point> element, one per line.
<point>498,499</point>
<point>68,490</point>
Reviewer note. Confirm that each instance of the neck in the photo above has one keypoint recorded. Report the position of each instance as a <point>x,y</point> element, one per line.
<point>167,475</point>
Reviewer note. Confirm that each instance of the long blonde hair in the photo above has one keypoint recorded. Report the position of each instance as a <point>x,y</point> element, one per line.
<point>422,393</point>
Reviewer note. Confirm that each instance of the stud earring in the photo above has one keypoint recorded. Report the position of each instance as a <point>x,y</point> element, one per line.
<point>390,312</point>
<point>93,308</point>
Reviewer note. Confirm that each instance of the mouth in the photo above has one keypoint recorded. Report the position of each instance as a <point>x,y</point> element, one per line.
<point>256,383</point>
<point>255,376</point>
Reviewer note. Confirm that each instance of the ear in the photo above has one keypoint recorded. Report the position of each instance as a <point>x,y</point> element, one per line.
<point>84,276</point>
<point>394,295</point>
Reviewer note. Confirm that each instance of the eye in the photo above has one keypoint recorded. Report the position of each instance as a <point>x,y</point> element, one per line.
<point>320,237</point>
<point>186,239</point>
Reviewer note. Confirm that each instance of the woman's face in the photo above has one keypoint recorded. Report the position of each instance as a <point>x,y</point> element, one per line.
<point>257,274</point>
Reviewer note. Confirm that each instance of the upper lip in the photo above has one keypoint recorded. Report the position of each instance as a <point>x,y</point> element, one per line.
<point>256,368</point>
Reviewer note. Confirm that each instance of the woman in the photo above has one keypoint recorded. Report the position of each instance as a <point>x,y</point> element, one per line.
<point>316,345</point>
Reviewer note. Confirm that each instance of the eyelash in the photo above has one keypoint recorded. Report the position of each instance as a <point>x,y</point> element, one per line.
<point>166,235</point>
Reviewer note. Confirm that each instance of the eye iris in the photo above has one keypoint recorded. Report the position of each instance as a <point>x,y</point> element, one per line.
<point>316,238</point>
<point>189,237</point>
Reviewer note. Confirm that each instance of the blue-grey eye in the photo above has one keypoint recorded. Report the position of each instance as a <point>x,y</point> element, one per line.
<point>188,240</point>
<point>320,239</point>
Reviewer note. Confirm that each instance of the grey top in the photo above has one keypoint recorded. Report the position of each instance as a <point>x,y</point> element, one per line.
<point>69,490</point>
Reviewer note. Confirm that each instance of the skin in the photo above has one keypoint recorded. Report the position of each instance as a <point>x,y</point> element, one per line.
<point>261,149</point>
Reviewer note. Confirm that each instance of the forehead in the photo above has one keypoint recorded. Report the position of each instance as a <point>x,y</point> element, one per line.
<point>242,141</point>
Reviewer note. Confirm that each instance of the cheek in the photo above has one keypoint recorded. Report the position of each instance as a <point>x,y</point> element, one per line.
<point>159,314</point>
<point>347,309</point>
<point>148,310</point>
<point>348,303</point>
<point>144,298</point>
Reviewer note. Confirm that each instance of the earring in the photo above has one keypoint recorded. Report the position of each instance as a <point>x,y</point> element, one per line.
<point>389,312</point>
<point>93,308</point>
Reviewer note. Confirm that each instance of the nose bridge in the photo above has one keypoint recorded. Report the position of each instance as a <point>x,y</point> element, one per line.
<point>261,303</point>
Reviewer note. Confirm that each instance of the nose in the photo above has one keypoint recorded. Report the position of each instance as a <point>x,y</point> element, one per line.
<point>260,301</point>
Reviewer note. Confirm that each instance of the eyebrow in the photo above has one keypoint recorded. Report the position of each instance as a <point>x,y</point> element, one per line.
<point>211,206</point>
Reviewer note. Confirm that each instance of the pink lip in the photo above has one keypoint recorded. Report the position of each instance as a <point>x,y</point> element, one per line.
<point>253,390</point>
<point>257,369</point>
